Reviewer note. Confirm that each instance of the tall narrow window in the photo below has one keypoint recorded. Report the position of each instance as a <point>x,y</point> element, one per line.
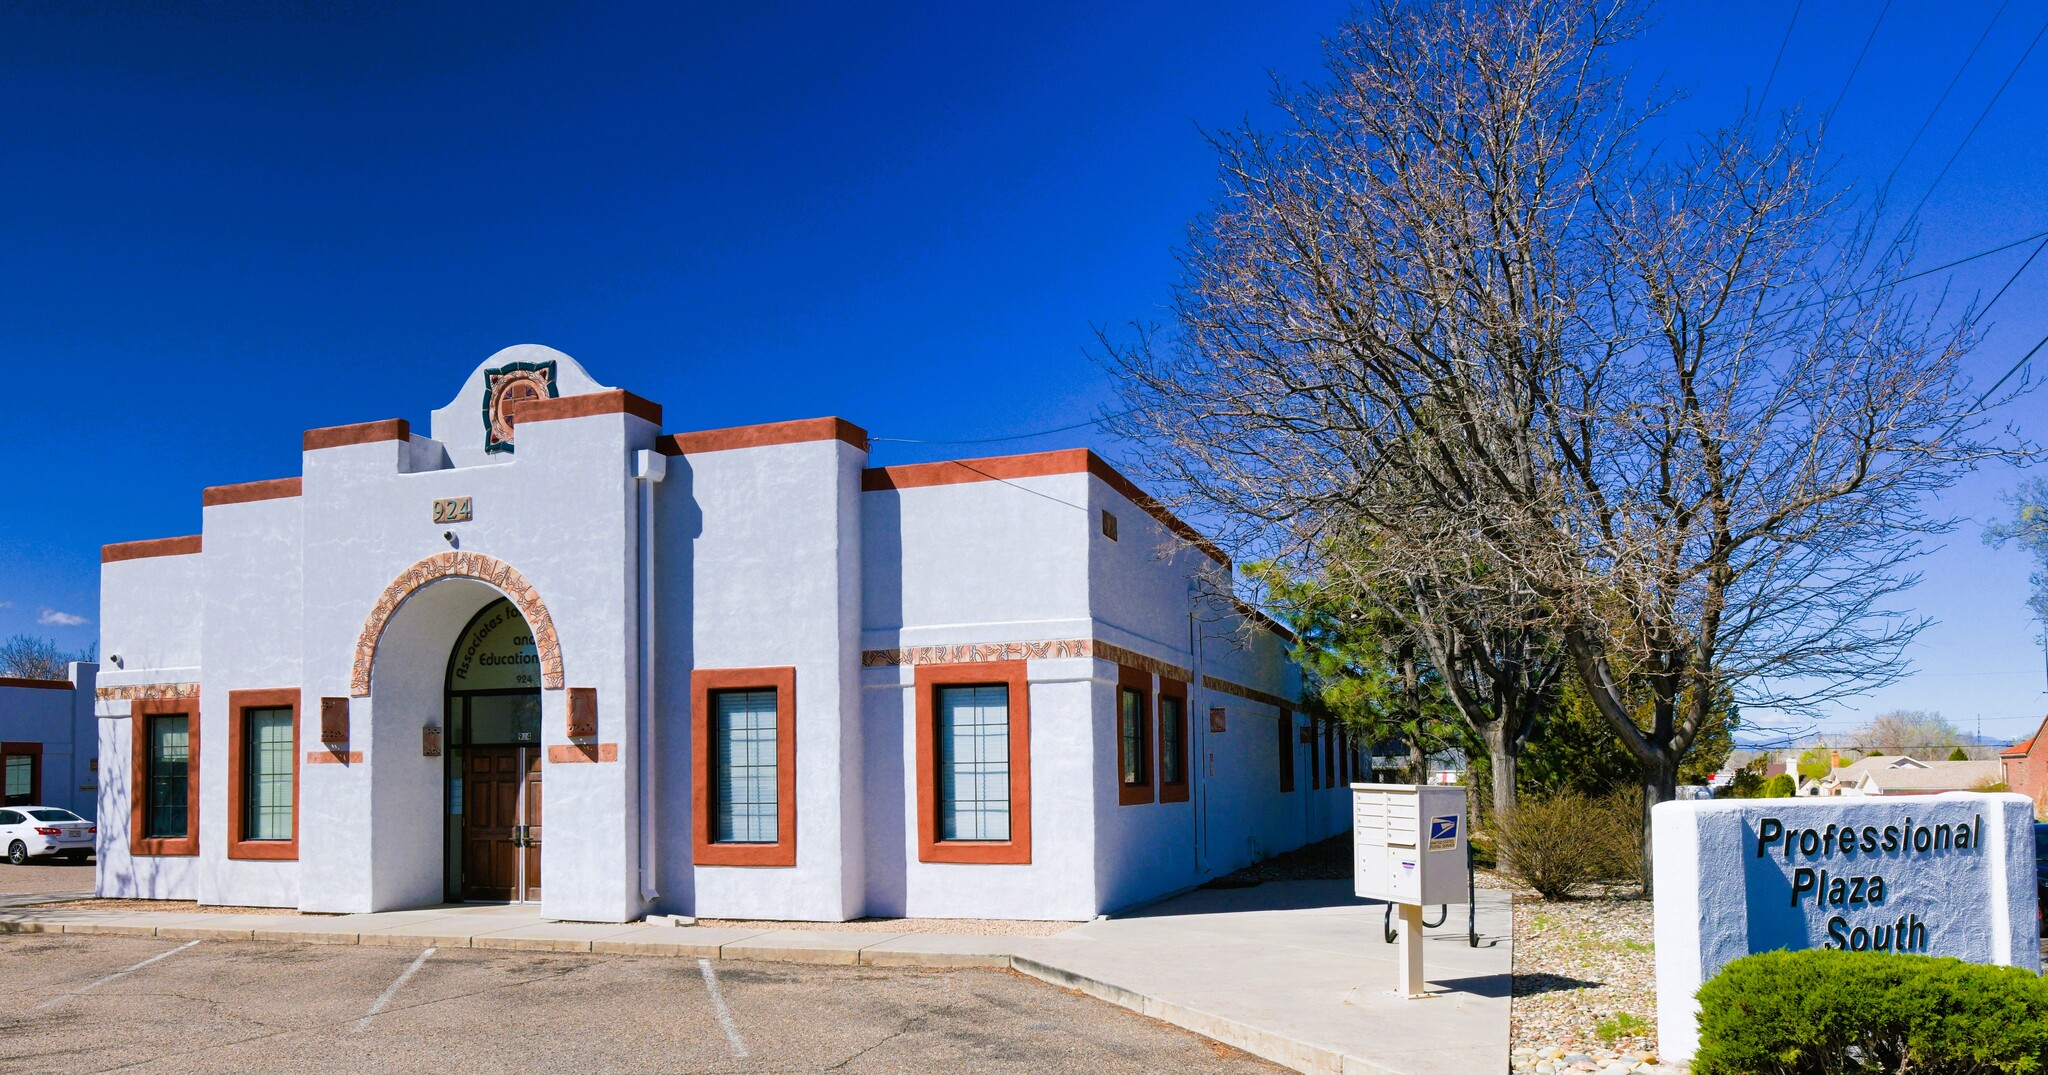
<point>1173,744</point>
<point>974,762</point>
<point>168,813</point>
<point>972,724</point>
<point>743,740</point>
<point>267,787</point>
<point>1286,751</point>
<point>263,774</point>
<point>744,736</point>
<point>1134,736</point>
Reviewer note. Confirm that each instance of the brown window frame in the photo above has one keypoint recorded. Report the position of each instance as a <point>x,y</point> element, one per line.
<point>239,703</point>
<point>928,678</point>
<point>138,800</point>
<point>34,753</point>
<point>1286,751</point>
<point>706,851</point>
<point>1177,791</point>
<point>1136,680</point>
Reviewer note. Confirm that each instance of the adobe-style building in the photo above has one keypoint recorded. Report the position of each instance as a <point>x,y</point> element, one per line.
<point>49,743</point>
<point>748,674</point>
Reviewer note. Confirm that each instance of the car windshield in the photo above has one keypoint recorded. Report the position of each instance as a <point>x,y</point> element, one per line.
<point>54,815</point>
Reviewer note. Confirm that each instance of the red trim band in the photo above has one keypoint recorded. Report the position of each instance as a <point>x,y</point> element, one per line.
<point>249,492</point>
<point>136,550</point>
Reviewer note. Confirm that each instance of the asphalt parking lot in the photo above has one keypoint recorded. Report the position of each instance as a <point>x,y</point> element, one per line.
<point>77,1003</point>
<point>45,877</point>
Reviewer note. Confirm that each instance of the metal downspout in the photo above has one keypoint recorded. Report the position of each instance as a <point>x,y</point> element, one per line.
<point>648,467</point>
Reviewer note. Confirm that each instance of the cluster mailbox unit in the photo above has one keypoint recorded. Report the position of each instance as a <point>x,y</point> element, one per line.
<point>1408,848</point>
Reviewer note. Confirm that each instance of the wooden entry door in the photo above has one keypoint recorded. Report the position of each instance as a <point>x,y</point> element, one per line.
<point>530,817</point>
<point>501,781</point>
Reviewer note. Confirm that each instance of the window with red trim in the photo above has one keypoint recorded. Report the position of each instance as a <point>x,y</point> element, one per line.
<point>973,728</point>
<point>21,767</point>
<point>1134,737</point>
<point>263,774</point>
<point>1173,741</point>
<point>163,814</point>
<point>743,766</point>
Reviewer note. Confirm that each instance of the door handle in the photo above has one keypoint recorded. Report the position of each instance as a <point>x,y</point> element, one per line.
<point>519,836</point>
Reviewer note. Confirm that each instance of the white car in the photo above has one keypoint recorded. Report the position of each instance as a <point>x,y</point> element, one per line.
<point>27,832</point>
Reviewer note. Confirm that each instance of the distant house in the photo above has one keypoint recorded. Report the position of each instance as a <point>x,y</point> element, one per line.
<point>1898,774</point>
<point>2026,767</point>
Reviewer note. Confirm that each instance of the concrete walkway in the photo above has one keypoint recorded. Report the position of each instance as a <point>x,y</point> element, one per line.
<point>1294,972</point>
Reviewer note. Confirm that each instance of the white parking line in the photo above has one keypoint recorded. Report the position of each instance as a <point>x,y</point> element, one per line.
<point>122,973</point>
<point>391,991</point>
<point>732,1030</point>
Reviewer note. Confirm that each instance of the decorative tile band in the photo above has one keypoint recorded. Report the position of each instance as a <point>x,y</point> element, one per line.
<point>1251,694</point>
<point>334,757</point>
<point>137,692</point>
<point>1051,649</point>
<point>468,565</point>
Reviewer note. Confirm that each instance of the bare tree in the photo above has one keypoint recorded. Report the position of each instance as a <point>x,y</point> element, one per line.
<point>27,657</point>
<point>1455,343</point>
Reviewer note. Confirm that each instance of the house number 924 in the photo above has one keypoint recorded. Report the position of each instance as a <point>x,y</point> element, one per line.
<point>453,509</point>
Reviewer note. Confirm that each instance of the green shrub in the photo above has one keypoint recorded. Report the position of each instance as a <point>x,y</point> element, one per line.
<point>1781,786</point>
<point>1824,1012</point>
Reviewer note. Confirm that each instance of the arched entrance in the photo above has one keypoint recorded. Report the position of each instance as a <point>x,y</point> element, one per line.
<point>492,759</point>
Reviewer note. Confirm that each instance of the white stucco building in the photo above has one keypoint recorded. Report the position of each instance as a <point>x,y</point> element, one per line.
<point>747,674</point>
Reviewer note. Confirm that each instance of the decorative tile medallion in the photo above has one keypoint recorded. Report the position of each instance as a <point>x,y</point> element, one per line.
<point>509,384</point>
<point>468,565</point>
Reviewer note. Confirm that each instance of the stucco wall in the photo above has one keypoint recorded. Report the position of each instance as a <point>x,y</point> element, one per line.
<point>150,627</point>
<point>758,557</point>
<point>249,636</point>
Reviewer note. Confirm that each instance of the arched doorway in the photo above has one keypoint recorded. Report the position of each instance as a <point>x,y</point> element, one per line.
<point>492,759</point>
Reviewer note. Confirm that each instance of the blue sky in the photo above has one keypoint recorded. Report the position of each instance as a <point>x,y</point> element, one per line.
<point>224,226</point>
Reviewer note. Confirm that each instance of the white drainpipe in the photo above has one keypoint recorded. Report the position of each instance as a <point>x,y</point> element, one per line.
<point>648,467</point>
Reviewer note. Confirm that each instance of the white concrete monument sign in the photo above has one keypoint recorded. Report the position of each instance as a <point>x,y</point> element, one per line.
<point>1946,875</point>
<point>1408,848</point>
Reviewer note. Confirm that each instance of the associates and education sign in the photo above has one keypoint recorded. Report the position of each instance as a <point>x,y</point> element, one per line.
<point>1946,875</point>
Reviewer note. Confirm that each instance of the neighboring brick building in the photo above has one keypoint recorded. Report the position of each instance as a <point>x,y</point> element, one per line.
<point>2026,768</point>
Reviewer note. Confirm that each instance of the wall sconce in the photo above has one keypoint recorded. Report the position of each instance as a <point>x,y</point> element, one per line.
<point>582,712</point>
<point>430,741</point>
<point>334,723</point>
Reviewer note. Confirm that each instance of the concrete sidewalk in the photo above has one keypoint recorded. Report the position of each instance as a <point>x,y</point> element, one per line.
<point>1294,972</point>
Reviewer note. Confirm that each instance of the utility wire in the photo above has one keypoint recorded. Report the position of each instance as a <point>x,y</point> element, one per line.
<point>1858,65</point>
<point>1786,40</point>
<point>1964,260</point>
<point>998,440</point>
<point>1981,116</point>
<point>1943,99</point>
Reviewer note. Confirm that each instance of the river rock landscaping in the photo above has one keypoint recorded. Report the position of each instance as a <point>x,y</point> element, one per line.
<point>1585,986</point>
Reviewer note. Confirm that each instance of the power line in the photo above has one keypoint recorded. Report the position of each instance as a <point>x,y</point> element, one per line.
<point>1943,99</point>
<point>1966,259</point>
<point>1858,65</point>
<point>1786,40</point>
<point>1015,436</point>
<point>1981,116</point>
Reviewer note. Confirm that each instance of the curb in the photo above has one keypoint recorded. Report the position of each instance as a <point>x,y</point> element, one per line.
<point>1263,1044</point>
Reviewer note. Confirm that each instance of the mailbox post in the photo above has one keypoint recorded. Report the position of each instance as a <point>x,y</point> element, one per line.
<point>1408,848</point>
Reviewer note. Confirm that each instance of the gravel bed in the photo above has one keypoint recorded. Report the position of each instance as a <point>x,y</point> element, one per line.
<point>1585,986</point>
